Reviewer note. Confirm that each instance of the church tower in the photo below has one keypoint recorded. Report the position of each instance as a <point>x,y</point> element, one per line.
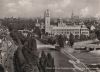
<point>47,21</point>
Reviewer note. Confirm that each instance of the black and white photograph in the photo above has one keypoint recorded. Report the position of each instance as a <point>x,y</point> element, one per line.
<point>49,35</point>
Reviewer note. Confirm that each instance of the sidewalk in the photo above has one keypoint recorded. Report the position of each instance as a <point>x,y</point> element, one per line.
<point>85,57</point>
<point>86,42</point>
<point>75,61</point>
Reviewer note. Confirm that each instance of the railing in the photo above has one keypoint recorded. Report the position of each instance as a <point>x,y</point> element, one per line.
<point>85,69</point>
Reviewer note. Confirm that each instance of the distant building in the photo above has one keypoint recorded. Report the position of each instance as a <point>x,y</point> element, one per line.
<point>37,23</point>
<point>42,26</point>
<point>64,29</point>
<point>92,28</point>
<point>75,30</point>
<point>61,23</point>
<point>47,21</point>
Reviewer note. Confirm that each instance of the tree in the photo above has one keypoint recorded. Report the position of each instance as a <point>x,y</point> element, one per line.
<point>42,62</point>
<point>17,36</point>
<point>31,44</point>
<point>46,63</point>
<point>76,37</point>
<point>26,56</point>
<point>51,40</point>
<point>16,62</point>
<point>71,39</point>
<point>98,34</point>
<point>30,50</point>
<point>83,37</point>
<point>37,31</point>
<point>50,63</point>
<point>60,41</point>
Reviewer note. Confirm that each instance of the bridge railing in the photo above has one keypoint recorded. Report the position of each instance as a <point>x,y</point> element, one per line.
<point>77,61</point>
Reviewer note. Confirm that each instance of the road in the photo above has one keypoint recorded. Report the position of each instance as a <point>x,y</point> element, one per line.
<point>84,43</point>
<point>62,61</point>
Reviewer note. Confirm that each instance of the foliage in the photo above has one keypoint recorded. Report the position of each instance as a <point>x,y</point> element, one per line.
<point>60,40</point>
<point>18,23</point>
<point>77,37</point>
<point>83,37</point>
<point>25,59</point>
<point>50,63</point>
<point>71,39</point>
<point>17,66</point>
<point>17,36</point>
<point>51,40</point>
<point>42,62</point>
<point>46,63</point>
<point>98,34</point>
<point>92,35</point>
<point>37,31</point>
<point>31,45</point>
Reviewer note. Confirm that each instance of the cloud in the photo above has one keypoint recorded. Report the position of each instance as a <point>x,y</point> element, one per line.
<point>60,4</point>
<point>12,10</point>
<point>65,3</point>
<point>85,11</point>
<point>11,4</point>
<point>25,2</point>
<point>59,11</point>
<point>11,7</point>
<point>57,7</point>
<point>53,6</point>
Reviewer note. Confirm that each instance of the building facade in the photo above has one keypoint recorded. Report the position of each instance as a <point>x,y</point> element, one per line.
<point>47,21</point>
<point>64,29</point>
<point>75,30</point>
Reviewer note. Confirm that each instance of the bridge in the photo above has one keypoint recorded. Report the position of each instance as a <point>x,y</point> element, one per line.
<point>40,45</point>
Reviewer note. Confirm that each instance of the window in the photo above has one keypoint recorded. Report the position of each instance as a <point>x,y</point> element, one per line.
<point>84,32</point>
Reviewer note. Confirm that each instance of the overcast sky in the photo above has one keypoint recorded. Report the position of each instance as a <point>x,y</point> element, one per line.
<point>62,8</point>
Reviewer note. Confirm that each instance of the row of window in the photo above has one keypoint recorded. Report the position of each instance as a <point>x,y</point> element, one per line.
<point>84,29</point>
<point>71,32</point>
<point>66,30</point>
<point>85,32</point>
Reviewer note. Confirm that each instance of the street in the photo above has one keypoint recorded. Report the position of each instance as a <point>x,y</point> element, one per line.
<point>62,61</point>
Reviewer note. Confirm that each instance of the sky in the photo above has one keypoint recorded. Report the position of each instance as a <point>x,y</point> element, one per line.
<point>58,8</point>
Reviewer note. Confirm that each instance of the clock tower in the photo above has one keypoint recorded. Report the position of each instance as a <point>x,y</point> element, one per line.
<point>47,21</point>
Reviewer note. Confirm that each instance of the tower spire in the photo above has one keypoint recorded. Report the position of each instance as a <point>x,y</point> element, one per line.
<point>47,13</point>
<point>72,15</point>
